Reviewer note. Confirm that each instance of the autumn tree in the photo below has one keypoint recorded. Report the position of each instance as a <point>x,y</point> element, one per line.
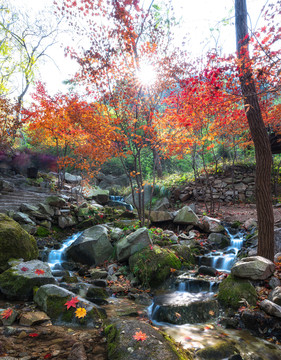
<point>125,41</point>
<point>79,131</point>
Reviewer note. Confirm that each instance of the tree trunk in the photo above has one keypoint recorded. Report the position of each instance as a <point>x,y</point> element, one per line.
<point>259,136</point>
<point>157,162</point>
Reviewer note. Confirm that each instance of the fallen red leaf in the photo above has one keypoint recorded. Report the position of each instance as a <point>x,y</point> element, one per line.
<point>39,272</point>
<point>7,313</point>
<point>48,356</point>
<point>71,303</point>
<point>24,268</point>
<point>33,335</point>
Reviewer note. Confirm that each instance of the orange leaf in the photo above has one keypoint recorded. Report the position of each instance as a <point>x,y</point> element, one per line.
<point>7,313</point>
<point>140,336</point>
<point>39,272</point>
<point>81,312</point>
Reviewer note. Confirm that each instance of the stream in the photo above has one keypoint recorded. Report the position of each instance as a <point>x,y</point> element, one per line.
<point>168,310</point>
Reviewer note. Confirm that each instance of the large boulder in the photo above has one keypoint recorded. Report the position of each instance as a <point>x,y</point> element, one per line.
<point>92,247</point>
<point>160,216</point>
<point>132,243</point>
<point>254,268</point>
<point>153,265</point>
<point>18,281</point>
<point>99,195</point>
<point>72,179</point>
<point>233,291</point>
<point>184,308</point>
<point>121,343</point>
<point>15,242</point>
<point>52,299</point>
<point>186,216</point>
<point>55,201</point>
<point>22,218</point>
<point>65,221</point>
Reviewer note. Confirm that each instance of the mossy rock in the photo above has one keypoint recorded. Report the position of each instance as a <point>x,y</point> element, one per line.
<point>221,350</point>
<point>52,299</point>
<point>153,265</point>
<point>121,344</point>
<point>185,254</point>
<point>232,290</point>
<point>15,242</point>
<point>42,232</point>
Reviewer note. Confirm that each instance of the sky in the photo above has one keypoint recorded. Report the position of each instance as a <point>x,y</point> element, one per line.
<point>198,17</point>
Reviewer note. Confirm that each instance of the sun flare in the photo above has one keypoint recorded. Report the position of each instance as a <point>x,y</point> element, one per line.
<point>146,75</point>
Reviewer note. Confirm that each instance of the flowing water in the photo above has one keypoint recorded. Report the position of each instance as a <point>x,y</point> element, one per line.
<point>189,289</point>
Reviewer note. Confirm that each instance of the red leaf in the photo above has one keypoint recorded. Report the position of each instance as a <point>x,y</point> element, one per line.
<point>140,336</point>
<point>7,313</point>
<point>39,272</point>
<point>24,268</point>
<point>71,303</point>
<point>47,356</point>
<point>33,335</point>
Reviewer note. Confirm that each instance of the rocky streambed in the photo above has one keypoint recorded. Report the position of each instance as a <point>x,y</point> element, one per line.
<point>134,283</point>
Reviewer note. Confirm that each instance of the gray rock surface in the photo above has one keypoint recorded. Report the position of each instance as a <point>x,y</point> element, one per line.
<point>254,268</point>
<point>271,308</point>
<point>186,216</point>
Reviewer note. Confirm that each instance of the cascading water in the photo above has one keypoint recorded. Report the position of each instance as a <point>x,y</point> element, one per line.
<point>119,201</point>
<point>55,256</point>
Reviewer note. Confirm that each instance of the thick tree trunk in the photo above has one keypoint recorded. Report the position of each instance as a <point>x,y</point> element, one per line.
<point>259,136</point>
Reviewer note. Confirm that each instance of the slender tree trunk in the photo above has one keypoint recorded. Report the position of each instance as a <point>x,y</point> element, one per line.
<point>157,162</point>
<point>259,136</point>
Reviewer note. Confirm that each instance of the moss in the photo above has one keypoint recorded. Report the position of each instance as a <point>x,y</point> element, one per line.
<point>153,265</point>
<point>15,242</point>
<point>69,279</point>
<point>181,353</point>
<point>42,232</point>
<point>19,286</point>
<point>221,350</point>
<point>236,224</point>
<point>185,254</point>
<point>113,337</point>
<point>56,308</point>
<point>232,290</point>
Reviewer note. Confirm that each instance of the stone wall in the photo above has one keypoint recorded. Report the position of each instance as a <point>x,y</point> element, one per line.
<point>223,187</point>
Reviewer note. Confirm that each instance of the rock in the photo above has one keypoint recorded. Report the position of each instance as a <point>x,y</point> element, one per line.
<point>121,343</point>
<point>10,320</point>
<point>271,308</point>
<point>92,247</point>
<point>132,243</point>
<point>27,208</point>
<point>171,235</point>
<point>254,268</point>
<point>153,265</point>
<point>77,352</point>
<point>18,281</point>
<point>277,257</point>
<point>116,234</point>
<point>15,242</point>
<point>96,294</point>
<point>184,197</point>
<point>99,195</point>
<point>46,209</point>
<point>186,216</point>
<point>274,282</point>
<point>222,350</point>
<point>160,216</point>
<point>185,254</point>
<point>275,295</point>
<point>6,186</point>
<point>184,308</point>
<point>23,218</point>
<point>161,204</point>
<point>66,221</point>
<point>98,273</point>
<point>250,224</point>
<point>207,270</point>
<point>219,240</point>
<point>72,179</point>
<point>33,318</point>
<point>211,225</point>
<point>277,240</point>
<point>52,299</point>
<point>55,201</point>
<point>147,191</point>
<point>233,291</point>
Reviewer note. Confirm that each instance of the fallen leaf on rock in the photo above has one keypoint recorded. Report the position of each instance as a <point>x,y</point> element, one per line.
<point>81,312</point>
<point>71,303</point>
<point>140,336</point>
<point>7,313</point>
<point>39,272</point>
<point>24,268</point>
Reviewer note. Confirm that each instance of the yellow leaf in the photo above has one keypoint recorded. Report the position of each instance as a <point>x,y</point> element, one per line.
<point>81,312</point>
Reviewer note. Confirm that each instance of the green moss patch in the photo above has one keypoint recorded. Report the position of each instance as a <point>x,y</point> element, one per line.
<point>222,350</point>
<point>232,290</point>
<point>153,265</point>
